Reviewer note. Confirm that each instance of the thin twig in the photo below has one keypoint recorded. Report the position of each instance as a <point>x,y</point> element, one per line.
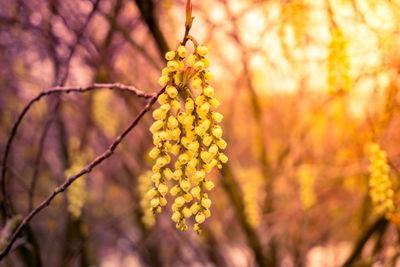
<point>56,90</point>
<point>37,163</point>
<point>86,170</point>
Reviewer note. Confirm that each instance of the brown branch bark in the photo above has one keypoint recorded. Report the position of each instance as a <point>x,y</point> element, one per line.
<point>54,90</point>
<point>86,170</point>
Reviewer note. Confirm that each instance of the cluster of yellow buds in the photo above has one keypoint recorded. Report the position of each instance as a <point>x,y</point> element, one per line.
<point>187,128</point>
<point>77,191</point>
<point>251,208</point>
<point>338,63</point>
<point>144,185</point>
<point>381,191</point>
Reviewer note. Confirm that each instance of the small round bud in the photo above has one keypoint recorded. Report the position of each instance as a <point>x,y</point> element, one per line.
<point>182,51</point>
<point>209,91</point>
<point>200,217</point>
<point>209,185</point>
<point>170,55</point>
<point>202,50</point>
<point>163,80</point>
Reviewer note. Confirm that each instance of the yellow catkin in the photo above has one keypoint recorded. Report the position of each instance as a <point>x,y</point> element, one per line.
<point>380,185</point>
<point>144,185</point>
<point>77,190</point>
<point>338,78</point>
<point>187,137</point>
<point>306,181</point>
<point>251,207</point>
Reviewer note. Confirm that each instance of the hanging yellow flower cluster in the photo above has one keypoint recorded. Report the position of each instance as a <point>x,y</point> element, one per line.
<point>77,191</point>
<point>381,191</point>
<point>186,127</point>
<point>144,185</point>
<point>338,63</point>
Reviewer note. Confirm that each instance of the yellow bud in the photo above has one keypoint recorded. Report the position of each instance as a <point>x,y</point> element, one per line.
<point>154,202</point>
<point>185,185</point>
<point>175,104</point>
<point>217,117</point>
<point>188,197</point>
<point>206,62</point>
<point>181,117</point>
<point>207,168</point>
<point>165,107</point>
<point>188,121</point>
<point>178,78</point>
<point>205,107</point>
<point>154,153</point>
<point>209,91</point>
<point>177,174</point>
<point>214,102</point>
<point>175,135</point>
<point>163,189</point>
<point>202,50</point>
<point>156,177</point>
<point>179,201</point>
<point>186,212</point>
<point>163,98</point>
<point>170,55</point>
<point>171,91</point>
<point>194,146</point>
<point>173,65</point>
<point>195,208</point>
<point>168,173</point>
<point>197,228</point>
<point>213,149</point>
<point>165,72</point>
<point>207,139</point>
<point>196,192</point>
<point>207,213</point>
<point>163,80</point>
<point>193,163</point>
<point>182,51</point>
<point>200,100</point>
<point>209,76</point>
<point>159,114</point>
<point>176,216</point>
<point>221,143</point>
<point>196,83</point>
<point>200,131</point>
<point>217,132</point>
<point>200,217</point>
<point>151,193</point>
<point>206,203</point>
<point>162,161</point>
<point>175,190</point>
<point>208,185</point>
<point>183,158</point>
<point>157,125</point>
<point>189,105</point>
<point>199,65</point>
<point>223,158</point>
<point>163,201</point>
<point>175,149</point>
<point>172,122</point>
<point>191,60</point>
<point>199,176</point>
<point>205,156</point>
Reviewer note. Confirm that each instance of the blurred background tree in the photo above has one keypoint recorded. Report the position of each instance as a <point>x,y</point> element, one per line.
<point>305,86</point>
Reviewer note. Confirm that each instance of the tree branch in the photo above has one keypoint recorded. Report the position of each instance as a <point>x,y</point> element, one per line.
<point>87,169</point>
<point>56,90</point>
